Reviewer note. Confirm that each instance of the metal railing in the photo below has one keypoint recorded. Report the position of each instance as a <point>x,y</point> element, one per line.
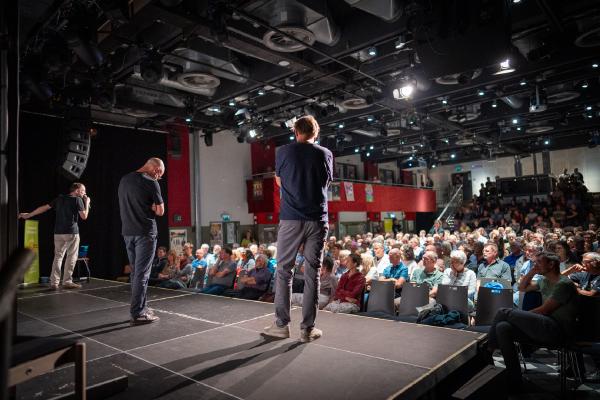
<point>451,207</point>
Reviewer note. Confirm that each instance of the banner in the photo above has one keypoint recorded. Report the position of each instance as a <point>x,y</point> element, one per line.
<point>349,188</point>
<point>369,192</point>
<point>31,242</point>
<point>335,191</point>
<point>177,238</point>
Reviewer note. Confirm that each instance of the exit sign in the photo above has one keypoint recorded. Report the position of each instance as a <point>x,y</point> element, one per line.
<point>458,168</point>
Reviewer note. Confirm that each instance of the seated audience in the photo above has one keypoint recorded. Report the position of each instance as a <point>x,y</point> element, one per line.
<point>429,274</point>
<point>586,275</point>
<point>171,267</point>
<point>199,266</point>
<point>459,275</point>
<point>187,256</point>
<point>492,266</point>
<point>396,272</point>
<point>327,286</point>
<point>349,290</point>
<point>256,282</point>
<point>408,258</point>
<point>369,270</point>
<point>158,262</point>
<point>550,324</point>
<point>222,274</point>
<point>382,260</point>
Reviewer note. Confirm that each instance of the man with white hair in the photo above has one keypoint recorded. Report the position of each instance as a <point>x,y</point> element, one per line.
<point>257,281</point>
<point>382,260</point>
<point>459,275</point>
<point>429,274</point>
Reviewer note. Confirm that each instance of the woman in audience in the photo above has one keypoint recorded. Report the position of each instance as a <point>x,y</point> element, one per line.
<point>408,258</point>
<point>327,287</point>
<point>188,255</point>
<point>170,270</point>
<point>247,260</point>
<point>368,267</point>
<point>350,287</point>
<point>562,250</point>
<point>459,275</point>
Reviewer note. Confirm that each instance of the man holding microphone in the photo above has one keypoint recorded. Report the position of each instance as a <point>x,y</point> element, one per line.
<point>69,208</point>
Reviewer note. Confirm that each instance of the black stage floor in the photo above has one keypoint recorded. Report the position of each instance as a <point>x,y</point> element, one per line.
<point>210,347</point>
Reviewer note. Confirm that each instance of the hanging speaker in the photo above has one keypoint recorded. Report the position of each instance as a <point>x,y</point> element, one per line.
<point>77,143</point>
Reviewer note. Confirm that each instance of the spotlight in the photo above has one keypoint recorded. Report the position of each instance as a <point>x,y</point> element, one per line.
<point>372,51</point>
<point>340,125</point>
<point>452,155</point>
<point>241,116</point>
<point>289,82</point>
<point>410,158</point>
<point>231,103</point>
<point>590,116</point>
<point>444,101</point>
<point>252,133</point>
<point>504,68</point>
<point>515,121</point>
<point>588,108</point>
<point>584,84</point>
<point>368,154</point>
<point>516,1</point>
<point>188,119</point>
<point>523,82</point>
<point>261,92</point>
<point>356,150</point>
<point>401,42</point>
<point>292,137</point>
<point>215,108</point>
<point>495,104</point>
<point>518,128</point>
<point>404,92</point>
<point>410,164</point>
<point>546,142</point>
<point>433,166</point>
<point>481,92</point>
<point>371,147</point>
<point>446,140</point>
<point>595,65</point>
<point>370,118</point>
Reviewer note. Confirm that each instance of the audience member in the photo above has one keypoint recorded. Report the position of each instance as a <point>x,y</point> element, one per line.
<point>349,289</point>
<point>256,282</point>
<point>222,274</point>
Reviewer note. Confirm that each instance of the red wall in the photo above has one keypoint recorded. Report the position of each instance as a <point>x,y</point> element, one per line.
<point>178,177</point>
<point>385,198</point>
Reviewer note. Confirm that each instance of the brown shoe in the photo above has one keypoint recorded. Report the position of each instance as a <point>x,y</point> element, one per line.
<point>147,318</point>
<point>53,287</point>
<point>71,285</point>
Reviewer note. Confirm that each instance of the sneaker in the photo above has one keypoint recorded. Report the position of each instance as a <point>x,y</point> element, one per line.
<point>53,287</point>
<point>309,335</point>
<point>71,285</point>
<point>275,331</point>
<point>147,318</point>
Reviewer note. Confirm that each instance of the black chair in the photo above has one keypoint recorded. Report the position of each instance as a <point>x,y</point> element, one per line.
<point>489,301</point>
<point>381,298</point>
<point>454,298</point>
<point>505,284</point>
<point>412,297</point>
<point>588,338</point>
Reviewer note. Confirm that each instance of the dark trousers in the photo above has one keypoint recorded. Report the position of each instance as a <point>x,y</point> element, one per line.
<point>291,235</point>
<point>140,251</point>
<point>512,326</point>
<point>249,293</point>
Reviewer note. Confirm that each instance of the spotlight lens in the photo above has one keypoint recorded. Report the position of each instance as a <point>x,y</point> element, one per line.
<point>481,92</point>
<point>452,155</point>
<point>432,165</point>
<point>372,51</point>
<point>188,119</point>
<point>368,154</point>
<point>370,119</point>
<point>515,121</point>
<point>252,133</point>
<point>231,103</point>
<point>546,142</point>
<point>444,101</point>
<point>406,91</point>
<point>261,92</point>
<point>356,150</point>
<point>371,148</point>
<point>494,104</point>
<point>588,108</point>
<point>595,65</point>
<point>291,137</point>
<point>340,126</point>
<point>523,83</point>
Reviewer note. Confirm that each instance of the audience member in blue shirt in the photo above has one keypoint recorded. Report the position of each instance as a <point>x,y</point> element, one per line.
<point>396,272</point>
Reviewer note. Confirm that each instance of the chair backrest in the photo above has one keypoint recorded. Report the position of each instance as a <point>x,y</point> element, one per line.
<point>413,297</point>
<point>589,324</point>
<point>454,298</point>
<point>489,301</point>
<point>505,284</point>
<point>381,297</point>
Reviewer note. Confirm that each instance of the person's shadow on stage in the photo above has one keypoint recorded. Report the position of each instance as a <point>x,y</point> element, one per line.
<point>251,353</point>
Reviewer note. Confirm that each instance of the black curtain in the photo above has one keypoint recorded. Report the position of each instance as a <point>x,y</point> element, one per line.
<point>114,152</point>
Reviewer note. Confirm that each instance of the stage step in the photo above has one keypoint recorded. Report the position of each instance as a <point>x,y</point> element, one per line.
<point>489,384</point>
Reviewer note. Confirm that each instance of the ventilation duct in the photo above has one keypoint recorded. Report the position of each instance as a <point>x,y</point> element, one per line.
<point>512,101</point>
<point>456,79</point>
<point>124,93</point>
<point>387,10</point>
<point>353,103</point>
<point>366,133</point>
<point>295,19</point>
<point>206,65</point>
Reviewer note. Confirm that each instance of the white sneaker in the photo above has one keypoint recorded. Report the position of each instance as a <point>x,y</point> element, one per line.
<point>71,285</point>
<point>275,331</point>
<point>309,335</point>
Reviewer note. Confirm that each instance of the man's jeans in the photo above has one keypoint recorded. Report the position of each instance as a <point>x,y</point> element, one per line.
<point>291,235</point>
<point>140,251</point>
<point>69,244</point>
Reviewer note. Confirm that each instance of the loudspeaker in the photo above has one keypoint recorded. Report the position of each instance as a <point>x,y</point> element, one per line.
<point>208,139</point>
<point>77,143</point>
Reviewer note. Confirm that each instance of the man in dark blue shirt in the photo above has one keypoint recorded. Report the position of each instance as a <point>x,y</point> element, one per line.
<point>140,200</point>
<point>303,170</point>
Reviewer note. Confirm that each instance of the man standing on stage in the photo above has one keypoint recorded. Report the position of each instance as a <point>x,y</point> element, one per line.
<point>304,170</point>
<point>69,208</point>
<point>140,201</point>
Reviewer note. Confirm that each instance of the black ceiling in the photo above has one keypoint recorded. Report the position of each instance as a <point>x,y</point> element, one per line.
<point>147,63</point>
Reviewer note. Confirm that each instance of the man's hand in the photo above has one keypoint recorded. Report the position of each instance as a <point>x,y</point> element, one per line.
<point>23,215</point>
<point>351,300</point>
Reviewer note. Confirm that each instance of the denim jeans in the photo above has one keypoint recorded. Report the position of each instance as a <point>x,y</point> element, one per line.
<point>214,289</point>
<point>140,251</point>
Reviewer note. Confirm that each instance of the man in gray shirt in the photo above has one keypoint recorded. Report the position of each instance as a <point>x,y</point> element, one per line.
<point>492,266</point>
<point>222,274</point>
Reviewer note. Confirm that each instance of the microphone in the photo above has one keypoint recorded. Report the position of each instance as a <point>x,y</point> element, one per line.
<point>89,206</point>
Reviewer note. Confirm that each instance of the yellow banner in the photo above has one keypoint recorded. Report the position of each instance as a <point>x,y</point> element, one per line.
<point>31,242</point>
<point>388,225</point>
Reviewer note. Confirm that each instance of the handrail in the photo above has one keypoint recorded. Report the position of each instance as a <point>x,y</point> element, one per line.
<point>449,203</point>
<point>272,174</point>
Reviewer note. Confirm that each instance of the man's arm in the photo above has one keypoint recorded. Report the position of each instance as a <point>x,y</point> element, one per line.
<point>278,180</point>
<point>159,209</point>
<point>526,285</point>
<point>86,208</point>
<point>37,211</point>
<point>547,308</point>
<point>590,293</point>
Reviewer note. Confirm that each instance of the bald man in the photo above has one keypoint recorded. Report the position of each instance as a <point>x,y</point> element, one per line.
<point>140,201</point>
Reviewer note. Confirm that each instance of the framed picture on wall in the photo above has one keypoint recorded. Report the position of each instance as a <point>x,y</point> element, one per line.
<point>387,176</point>
<point>216,233</point>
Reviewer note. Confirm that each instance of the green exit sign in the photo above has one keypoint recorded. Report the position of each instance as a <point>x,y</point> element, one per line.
<point>458,168</point>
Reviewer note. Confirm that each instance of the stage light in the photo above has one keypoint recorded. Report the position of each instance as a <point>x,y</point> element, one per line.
<point>241,116</point>
<point>231,103</point>
<point>515,121</point>
<point>371,147</point>
<point>215,108</point>
<point>518,128</point>
<point>261,92</point>
<point>584,85</point>
<point>340,125</point>
<point>289,82</point>
<point>588,108</point>
<point>595,65</point>
<point>252,133</point>
<point>495,104</point>
<point>523,82</point>
<point>370,118</point>
<point>404,92</point>
<point>546,142</point>
<point>433,166</point>
<point>452,155</point>
<point>481,92</point>
<point>444,101</point>
<point>516,1</point>
<point>283,63</point>
<point>401,42</point>
<point>504,68</point>
<point>368,154</point>
<point>292,137</point>
<point>410,158</point>
<point>410,164</point>
<point>188,119</point>
<point>372,51</point>
<point>356,150</point>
